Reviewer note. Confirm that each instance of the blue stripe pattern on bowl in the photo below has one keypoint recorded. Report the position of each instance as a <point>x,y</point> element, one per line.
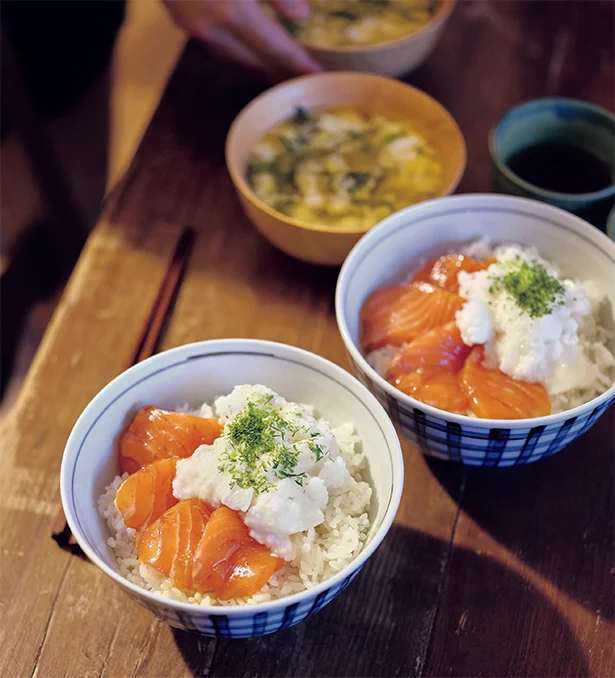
<point>217,621</point>
<point>249,624</point>
<point>480,446</point>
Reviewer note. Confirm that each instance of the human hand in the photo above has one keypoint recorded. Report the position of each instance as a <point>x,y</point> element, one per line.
<point>242,31</point>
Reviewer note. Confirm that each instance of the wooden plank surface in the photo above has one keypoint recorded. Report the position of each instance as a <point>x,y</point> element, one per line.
<point>504,572</point>
<point>250,289</point>
<point>90,340</point>
<point>479,647</point>
<point>524,567</point>
<point>529,589</point>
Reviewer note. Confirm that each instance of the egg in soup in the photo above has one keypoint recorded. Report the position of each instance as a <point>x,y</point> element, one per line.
<point>351,23</point>
<point>343,168</point>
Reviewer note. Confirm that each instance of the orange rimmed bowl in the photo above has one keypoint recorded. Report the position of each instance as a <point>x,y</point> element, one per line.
<point>392,58</point>
<point>325,244</point>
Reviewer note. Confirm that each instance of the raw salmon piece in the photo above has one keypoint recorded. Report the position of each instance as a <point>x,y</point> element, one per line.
<point>443,271</point>
<point>438,350</point>
<point>228,561</point>
<point>375,315</point>
<point>225,527</point>
<point>169,543</point>
<point>495,395</point>
<point>396,315</point>
<point>146,494</point>
<point>438,389</point>
<point>157,434</point>
<point>218,576</point>
<point>253,565</point>
<point>212,566</point>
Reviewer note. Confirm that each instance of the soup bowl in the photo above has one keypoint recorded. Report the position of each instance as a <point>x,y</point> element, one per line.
<point>388,253</point>
<point>325,244</point>
<point>197,373</point>
<point>392,58</point>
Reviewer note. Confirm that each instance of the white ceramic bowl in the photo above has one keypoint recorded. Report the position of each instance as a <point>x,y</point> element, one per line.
<point>387,253</point>
<point>196,373</point>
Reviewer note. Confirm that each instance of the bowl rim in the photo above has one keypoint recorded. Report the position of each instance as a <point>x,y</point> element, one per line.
<point>246,191</point>
<point>441,15</point>
<point>610,224</point>
<point>502,166</point>
<point>271,349</point>
<point>470,199</point>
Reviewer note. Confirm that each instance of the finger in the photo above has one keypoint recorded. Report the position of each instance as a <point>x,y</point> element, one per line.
<point>272,43</point>
<point>226,46</point>
<point>297,10</point>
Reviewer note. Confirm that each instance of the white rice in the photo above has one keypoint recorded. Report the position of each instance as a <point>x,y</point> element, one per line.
<point>593,338</point>
<point>324,550</point>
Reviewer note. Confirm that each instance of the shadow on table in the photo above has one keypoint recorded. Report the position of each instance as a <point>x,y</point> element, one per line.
<point>555,515</point>
<point>381,625</point>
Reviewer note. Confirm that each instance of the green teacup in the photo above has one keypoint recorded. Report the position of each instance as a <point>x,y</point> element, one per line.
<point>559,151</point>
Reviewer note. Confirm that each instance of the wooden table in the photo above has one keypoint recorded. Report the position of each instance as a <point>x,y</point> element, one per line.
<point>485,572</point>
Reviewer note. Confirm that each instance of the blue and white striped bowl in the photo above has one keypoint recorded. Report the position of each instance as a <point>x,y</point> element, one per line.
<point>387,253</point>
<point>197,373</point>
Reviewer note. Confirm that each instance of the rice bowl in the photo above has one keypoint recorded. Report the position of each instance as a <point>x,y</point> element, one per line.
<point>424,232</point>
<point>197,373</point>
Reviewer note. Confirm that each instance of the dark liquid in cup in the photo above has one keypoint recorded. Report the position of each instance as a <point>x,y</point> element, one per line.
<point>561,167</point>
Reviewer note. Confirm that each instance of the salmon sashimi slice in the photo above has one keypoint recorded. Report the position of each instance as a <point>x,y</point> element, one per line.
<point>157,434</point>
<point>443,271</point>
<point>495,395</point>
<point>397,315</point>
<point>438,389</point>
<point>212,564</point>
<point>439,350</point>
<point>252,566</point>
<point>228,561</point>
<point>376,313</point>
<point>146,494</point>
<point>225,529</point>
<point>169,543</point>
